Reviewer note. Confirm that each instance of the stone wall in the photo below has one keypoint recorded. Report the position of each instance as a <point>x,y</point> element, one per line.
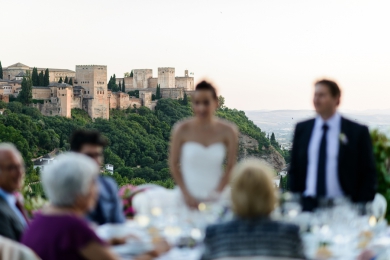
<point>173,93</point>
<point>185,82</point>
<point>76,102</point>
<point>41,93</point>
<point>93,78</point>
<point>152,83</point>
<point>129,84</point>
<point>4,98</point>
<point>166,77</point>
<point>141,77</point>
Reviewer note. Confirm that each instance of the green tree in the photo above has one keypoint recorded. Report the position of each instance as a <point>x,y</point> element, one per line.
<point>35,77</point>
<point>25,96</point>
<point>46,81</point>
<point>134,93</point>
<point>221,102</point>
<point>71,81</point>
<point>112,84</point>
<point>120,86</point>
<point>131,73</point>
<point>66,80</point>
<point>185,100</point>
<point>126,75</point>
<point>123,86</point>
<point>158,92</point>
<point>41,79</point>
<point>60,81</point>
<point>1,71</point>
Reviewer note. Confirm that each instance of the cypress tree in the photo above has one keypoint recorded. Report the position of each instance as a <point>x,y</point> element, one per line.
<point>70,81</point>
<point>1,71</point>
<point>41,79</point>
<point>60,81</point>
<point>46,81</point>
<point>120,86</point>
<point>66,80</point>
<point>131,73</point>
<point>158,92</point>
<point>185,99</point>
<point>123,86</point>
<point>35,77</point>
<point>273,137</point>
<point>25,96</point>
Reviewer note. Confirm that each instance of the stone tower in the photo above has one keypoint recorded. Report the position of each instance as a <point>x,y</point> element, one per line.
<point>93,78</point>
<point>166,77</point>
<point>141,77</point>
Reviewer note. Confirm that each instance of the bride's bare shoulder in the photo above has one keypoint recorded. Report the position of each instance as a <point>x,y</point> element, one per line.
<point>182,125</point>
<point>228,126</point>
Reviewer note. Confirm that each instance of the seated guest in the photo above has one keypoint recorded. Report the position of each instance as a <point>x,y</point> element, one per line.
<point>61,231</point>
<point>252,232</point>
<point>109,208</point>
<point>12,250</point>
<point>12,217</point>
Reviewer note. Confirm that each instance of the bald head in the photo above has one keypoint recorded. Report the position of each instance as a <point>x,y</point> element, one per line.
<point>11,168</point>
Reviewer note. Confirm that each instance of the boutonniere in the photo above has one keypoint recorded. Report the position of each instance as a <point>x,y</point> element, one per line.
<point>343,139</point>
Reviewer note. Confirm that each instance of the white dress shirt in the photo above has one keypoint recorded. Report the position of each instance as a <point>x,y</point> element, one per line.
<point>333,188</point>
<point>11,201</point>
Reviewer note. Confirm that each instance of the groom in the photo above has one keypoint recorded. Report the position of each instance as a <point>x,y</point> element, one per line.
<point>331,156</point>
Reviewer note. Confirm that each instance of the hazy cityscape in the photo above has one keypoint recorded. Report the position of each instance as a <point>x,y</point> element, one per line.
<point>282,122</point>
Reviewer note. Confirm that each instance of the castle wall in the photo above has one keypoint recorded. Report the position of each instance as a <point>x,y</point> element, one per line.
<point>129,84</point>
<point>146,97</point>
<point>93,78</point>
<point>41,93</point>
<point>64,95</point>
<point>185,82</point>
<point>4,98</point>
<point>76,102</point>
<point>152,83</point>
<point>141,77</point>
<point>173,93</point>
<point>166,77</point>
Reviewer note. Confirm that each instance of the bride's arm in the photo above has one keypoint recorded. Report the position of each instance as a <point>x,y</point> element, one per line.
<point>232,149</point>
<point>174,159</point>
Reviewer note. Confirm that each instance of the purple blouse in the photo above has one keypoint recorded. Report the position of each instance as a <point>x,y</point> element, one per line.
<point>59,237</point>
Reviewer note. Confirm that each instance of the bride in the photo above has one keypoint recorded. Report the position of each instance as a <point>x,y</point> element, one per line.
<point>199,146</point>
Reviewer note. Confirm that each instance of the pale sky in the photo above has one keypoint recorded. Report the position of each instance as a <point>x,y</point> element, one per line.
<point>260,54</point>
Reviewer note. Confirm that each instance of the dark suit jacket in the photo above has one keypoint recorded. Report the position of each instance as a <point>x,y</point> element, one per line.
<point>356,164</point>
<point>255,237</point>
<point>109,208</point>
<point>10,225</point>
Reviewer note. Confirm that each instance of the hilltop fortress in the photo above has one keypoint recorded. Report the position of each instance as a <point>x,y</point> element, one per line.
<point>89,91</point>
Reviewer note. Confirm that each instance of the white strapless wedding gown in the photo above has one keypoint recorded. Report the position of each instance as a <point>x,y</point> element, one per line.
<point>202,168</point>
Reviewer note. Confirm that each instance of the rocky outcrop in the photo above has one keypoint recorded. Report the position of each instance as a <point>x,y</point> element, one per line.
<point>249,147</point>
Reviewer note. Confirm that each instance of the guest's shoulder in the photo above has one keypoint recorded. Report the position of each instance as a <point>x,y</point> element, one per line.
<point>285,227</point>
<point>223,227</point>
<point>108,181</point>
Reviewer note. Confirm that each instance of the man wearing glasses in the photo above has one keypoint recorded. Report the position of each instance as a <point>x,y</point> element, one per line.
<point>109,207</point>
<point>12,217</point>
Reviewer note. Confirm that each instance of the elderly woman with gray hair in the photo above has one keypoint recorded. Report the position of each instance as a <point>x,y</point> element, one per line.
<point>61,232</point>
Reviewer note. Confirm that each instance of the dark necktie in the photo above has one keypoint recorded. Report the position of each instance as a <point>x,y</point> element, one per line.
<point>20,208</point>
<point>321,170</point>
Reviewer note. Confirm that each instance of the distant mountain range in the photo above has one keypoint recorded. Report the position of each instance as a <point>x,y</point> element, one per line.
<point>282,122</point>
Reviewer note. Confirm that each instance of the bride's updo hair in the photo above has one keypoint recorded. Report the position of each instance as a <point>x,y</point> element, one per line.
<point>204,85</point>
